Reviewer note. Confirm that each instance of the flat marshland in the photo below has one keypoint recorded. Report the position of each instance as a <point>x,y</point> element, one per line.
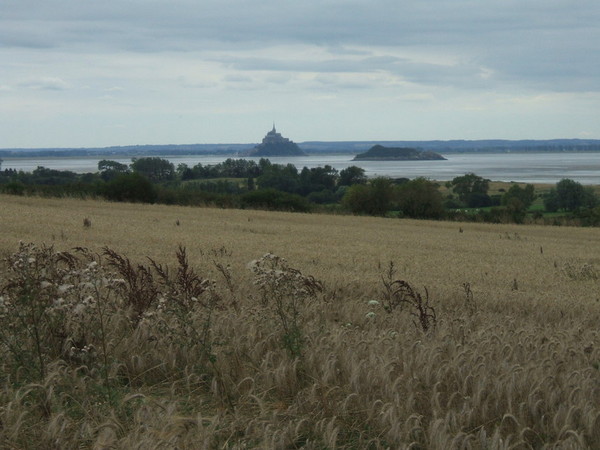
<point>373,333</point>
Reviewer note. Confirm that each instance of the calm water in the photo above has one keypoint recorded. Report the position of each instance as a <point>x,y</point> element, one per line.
<point>522,167</point>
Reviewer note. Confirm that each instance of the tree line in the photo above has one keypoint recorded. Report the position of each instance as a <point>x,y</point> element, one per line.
<point>241,183</point>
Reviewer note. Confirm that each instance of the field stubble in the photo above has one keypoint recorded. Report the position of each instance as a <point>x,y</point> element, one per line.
<point>513,360</point>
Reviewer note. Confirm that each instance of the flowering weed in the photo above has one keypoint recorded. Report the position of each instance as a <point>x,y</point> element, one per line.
<point>286,289</point>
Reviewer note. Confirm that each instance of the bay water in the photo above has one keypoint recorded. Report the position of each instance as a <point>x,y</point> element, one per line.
<point>583,167</point>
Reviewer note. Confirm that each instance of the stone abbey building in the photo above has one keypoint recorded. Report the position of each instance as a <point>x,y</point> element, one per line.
<point>274,144</point>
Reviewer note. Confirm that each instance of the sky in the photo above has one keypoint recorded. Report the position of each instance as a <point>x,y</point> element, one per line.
<point>88,73</point>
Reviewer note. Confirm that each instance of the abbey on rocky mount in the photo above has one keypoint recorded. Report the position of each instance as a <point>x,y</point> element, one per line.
<point>274,144</point>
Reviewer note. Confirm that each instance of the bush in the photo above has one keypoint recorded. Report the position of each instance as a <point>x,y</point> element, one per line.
<point>14,188</point>
<point>589,217</point>
<point>130,188</point>
<point>322,197</point>
<point>374,198</point>
<point>421,199</point>
<point>479,200</point>
<point>275,200</point>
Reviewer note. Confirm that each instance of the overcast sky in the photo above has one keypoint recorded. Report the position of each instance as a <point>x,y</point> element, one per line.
<point>87,73</point>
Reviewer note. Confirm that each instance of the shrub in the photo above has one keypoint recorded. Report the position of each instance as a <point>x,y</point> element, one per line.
<point>322,197</point>
<point>130,188</point>
<point>421,199</point>
<point>275,200</point>
<point>374,198</point>
<point>13,188</point>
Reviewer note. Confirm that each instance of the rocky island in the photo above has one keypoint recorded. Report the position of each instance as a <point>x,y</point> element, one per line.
<point>274,144</point>
<point>381,153</point>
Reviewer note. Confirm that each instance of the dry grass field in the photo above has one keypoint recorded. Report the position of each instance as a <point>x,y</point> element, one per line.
<point>326,350</point>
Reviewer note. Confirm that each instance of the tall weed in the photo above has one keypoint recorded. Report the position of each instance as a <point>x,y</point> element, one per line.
<point>285,289</point>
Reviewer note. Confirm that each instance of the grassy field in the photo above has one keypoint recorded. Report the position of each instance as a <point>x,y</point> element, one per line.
<point>267,356</point>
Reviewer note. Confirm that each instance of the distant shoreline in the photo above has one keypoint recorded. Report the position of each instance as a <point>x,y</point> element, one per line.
<point>61,154</point>
<point>314,148</point>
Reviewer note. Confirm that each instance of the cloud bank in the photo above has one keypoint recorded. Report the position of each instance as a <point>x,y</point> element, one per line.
<point>154,71</point>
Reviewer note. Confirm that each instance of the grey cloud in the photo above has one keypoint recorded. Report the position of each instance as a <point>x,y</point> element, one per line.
<point>366,64</point>
<point>383,22</point>
<point>45,83</point>
<point>335,83</point>
<point>551,44</point>
<point>464,74</point>
<point>238,79</point>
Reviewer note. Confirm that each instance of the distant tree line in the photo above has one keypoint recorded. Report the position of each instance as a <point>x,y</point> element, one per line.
<point>241,183</point>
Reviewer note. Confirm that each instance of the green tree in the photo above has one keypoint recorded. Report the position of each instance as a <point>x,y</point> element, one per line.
<point>420,198</point>
<point>519,197</point>
<point>280,177</point>
<point>357,199</point>
<point>111,169</point>
<point>107,164</point>
<point>352,175</point>
<point>570,195</point>
<point>374,198</point>
<point>238,168</point>
<point>44,175</point>
<point>153,168</point>
<point>383,195</point>
<point>184,172</point>
<point>317,179</point>
<point>471,190</point>
<point>264,164</point>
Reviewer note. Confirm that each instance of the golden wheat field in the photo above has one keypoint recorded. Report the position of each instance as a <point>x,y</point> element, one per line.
<point>372,333</point>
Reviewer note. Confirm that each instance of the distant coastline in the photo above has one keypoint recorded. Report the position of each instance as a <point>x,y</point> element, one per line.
<point>315,147</point>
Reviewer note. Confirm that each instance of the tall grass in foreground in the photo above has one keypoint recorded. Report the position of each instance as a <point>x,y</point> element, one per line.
<point>98,351</point>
